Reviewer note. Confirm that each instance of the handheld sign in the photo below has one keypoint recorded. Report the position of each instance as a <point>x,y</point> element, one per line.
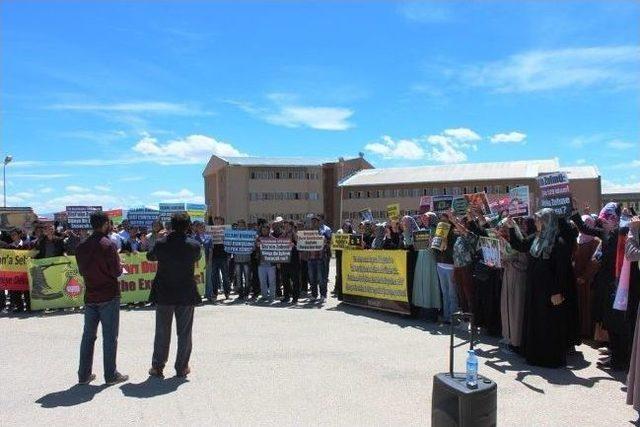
<point>490,248</point>
<point>519,203</point>
<point>216,232</point>
<point>276,250</point>
<point>196,211</point>
<point>459,204</point>
<point>366,215</point>
<point>479,202</point>
<point>78,216</point>
<point>441,203</point>
<point>341,241</point>
<point>142,217</point>
<point>168,209</point>
<point>393,211</point>
<point>422,239</point>
<point>241,242</point>
<point>555,193</point>
<point>310,240</point>
<point>439,240</point>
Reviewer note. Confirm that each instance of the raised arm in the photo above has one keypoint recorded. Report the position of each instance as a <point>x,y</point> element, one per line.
<point>585,229</point>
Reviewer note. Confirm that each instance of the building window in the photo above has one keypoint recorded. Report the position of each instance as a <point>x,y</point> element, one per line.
<point>444,191</point>
<point>475,188</point>
<point>508,188</point>
<point>486,190</point>
<point>464,190</point>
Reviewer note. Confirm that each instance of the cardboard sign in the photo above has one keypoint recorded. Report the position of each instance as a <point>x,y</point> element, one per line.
<point>425,204</point>
<point>78,216</point>
<point>421,239</point>
<point>439,240</point>
<point>393,211</point>
<point>490,248</point>
<point>366,215</point>
<point>519,204</point>
<point>276,250</point>
<point>479,202</point>
<point>555,193</point>
<point>167,209</point>
<point>241,242</point>
<point>460,205</point>
<point>216,232</point>
<point>441,203</point>
<point>310,240</point>
<point>142,218</point>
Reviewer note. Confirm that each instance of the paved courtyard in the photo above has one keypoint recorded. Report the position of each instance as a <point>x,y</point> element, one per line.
<point>283,365</point>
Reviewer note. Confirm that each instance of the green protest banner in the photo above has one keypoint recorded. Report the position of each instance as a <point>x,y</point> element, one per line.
<point>56,283</point>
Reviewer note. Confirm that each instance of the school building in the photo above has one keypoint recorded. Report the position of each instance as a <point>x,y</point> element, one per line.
<point>377,188</point>
<point>266,187</point>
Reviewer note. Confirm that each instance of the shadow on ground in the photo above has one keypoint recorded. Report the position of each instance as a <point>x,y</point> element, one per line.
<point>496,358</point>
<point>152,387</point>
<point>75,395</point>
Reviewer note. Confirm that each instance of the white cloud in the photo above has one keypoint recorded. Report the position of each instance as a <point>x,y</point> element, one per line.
<point>40,175</point>
<point>630,165</point>
<point>613,67</point>
<point>511,137</point>
<point>192,149</point>
<point>581,161</point>
<point>76,189</point>
<point>321,118</point>
<point>46,190</point>
<point>286,110</point>
<point>447,147</point>
<point>621,145</point>
<point>183,195</point>
<point>103,188</point>
<point>401,149</point>
<point>152,107</point>
<point>462,134</point>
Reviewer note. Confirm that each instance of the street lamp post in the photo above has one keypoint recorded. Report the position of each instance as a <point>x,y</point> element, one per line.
<point>7,160</point>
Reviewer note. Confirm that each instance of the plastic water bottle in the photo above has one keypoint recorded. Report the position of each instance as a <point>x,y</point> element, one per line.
<point>472,369</point>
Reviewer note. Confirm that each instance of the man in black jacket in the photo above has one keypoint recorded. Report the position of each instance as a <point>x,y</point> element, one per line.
<point>174,291</point>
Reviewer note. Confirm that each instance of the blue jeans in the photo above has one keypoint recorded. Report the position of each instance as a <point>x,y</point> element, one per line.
<point>315,268</point>
<point>107,313</point>
<point>267,275</point>
<point>449,292</point>
<point>243,287</point>
<point>220,266</point>
<point>208,282</point>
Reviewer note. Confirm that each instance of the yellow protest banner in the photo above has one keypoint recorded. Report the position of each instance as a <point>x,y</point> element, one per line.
<point>375,274</point>
<point>393,211</point>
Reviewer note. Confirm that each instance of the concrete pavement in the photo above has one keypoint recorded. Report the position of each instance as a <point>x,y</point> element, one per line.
<point>275,365</point>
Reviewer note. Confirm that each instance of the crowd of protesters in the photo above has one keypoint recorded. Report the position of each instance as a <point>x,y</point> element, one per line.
<point>562,280</point>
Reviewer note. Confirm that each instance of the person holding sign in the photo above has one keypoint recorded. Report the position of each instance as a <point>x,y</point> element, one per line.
<point>445,267</point>
<point>266,269</point>
<point>548,273</point>
<point>219,262</point>
<point>242,269</point>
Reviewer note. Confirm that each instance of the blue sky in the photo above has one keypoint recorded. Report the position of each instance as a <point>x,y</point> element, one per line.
<point>121,104</point>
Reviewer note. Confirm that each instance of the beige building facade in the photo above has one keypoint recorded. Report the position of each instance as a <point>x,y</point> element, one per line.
<point>376,188</point>
<point>251,188</point>
<point>627,197</point>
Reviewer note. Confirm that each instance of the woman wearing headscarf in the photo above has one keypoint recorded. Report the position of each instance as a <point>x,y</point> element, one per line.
<point>548,272</point>
<point>512,301</point>
<point>464,250</point>
<point>426,290</point>
<point>632,255</point>
<point>379,235</point>
<point>585,267</point>
<point>409,225</point>
<point>613,321</point>
<point>487,283</point>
